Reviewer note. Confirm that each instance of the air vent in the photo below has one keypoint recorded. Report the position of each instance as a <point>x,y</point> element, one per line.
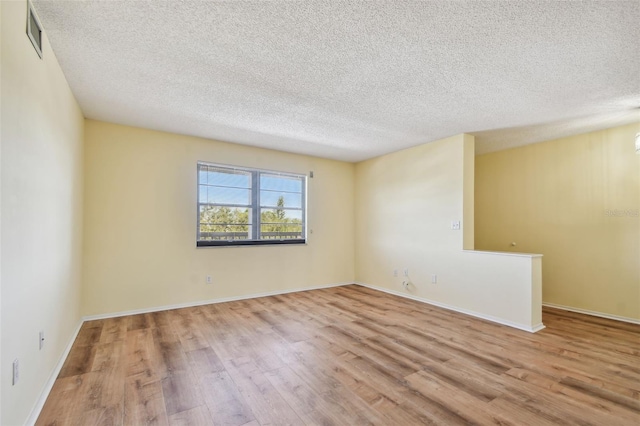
<point>34,29</point>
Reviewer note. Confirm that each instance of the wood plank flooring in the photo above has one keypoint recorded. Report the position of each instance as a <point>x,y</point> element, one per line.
<point>345,356</point>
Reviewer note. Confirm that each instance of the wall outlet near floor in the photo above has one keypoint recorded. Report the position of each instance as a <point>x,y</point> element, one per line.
<point>41,339</point>
<point>455,225</point>
<point>395,272</point>
<point>434,279</point>
<point>406,272</point>
<point>16,371</point>
<point>208,279</point>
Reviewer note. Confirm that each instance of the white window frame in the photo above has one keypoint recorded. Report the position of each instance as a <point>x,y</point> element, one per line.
<point>255,207</point>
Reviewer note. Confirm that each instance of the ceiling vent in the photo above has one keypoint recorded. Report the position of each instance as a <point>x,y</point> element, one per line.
<point>34,29</point>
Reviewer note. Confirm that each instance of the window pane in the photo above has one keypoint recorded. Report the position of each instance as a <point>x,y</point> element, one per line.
<point>233,178</point>
<point>224,215</point>
<point>202,175</point>
<point>280,216</point>
<point>280,231</point>
<point>202,193</point>
<point>224,223</point>
<point>280,183</point>
<point>280,199</point>
<point>280,224</point>
<point>224,195</point>
<point>230,233</point>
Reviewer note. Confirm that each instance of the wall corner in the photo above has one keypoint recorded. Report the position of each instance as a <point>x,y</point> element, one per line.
<point>468,191</point>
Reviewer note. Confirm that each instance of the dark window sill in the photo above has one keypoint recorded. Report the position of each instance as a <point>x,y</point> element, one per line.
<point>236,243</point>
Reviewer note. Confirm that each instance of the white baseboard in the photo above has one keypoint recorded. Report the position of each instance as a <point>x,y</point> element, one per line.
<point>593,313</point>
<point>37,408</point>
<point>530,329</point>
<point>537,327</point>
<point>209,302</point>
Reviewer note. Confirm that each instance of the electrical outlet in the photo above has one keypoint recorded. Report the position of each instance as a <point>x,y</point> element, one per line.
<point>395,272</point>
<point>455,225</point>
<point>434,279</point>
<point>41,339</point>
<point>209,280</point>
<point>406,272</point>
<point>16,371</point>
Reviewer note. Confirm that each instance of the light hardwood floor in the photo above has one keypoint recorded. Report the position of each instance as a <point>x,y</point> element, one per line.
<point>346,356</point>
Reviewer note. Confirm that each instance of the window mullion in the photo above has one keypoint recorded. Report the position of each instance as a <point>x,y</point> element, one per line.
<point>304,207</point>
<point>255,204</point>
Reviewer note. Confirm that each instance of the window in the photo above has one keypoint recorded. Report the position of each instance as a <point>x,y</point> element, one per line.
<point>240,206</point>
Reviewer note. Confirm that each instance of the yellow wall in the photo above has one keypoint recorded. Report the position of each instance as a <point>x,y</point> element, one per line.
<point>0,212</point>
<point>405,203</point>
<point>140,223</point>
<point>552,198</point>
<point>41,209</point>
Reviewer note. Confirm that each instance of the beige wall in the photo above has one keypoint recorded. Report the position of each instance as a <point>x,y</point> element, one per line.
<point>405,203</point>
<point>41,209</point>
<point>552,198</point>
<point>0,212</point>
<point>140,223</point>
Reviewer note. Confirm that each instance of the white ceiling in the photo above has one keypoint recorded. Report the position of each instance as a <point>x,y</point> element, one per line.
<point>351,80</point>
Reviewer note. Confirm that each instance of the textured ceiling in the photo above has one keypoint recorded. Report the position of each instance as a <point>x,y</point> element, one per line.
<point>352,79</point>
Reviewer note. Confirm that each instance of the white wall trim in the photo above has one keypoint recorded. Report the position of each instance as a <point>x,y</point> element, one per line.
<point>209,301</point>
<point>524,327</point>
<point>37,408</point>
<point>537,327</point>
<point>504,253</point>
<point>592,313</point>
